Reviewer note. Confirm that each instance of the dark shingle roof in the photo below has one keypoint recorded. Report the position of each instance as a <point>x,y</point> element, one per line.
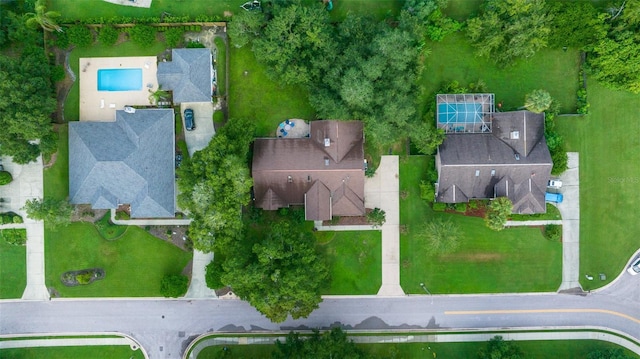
<point>484,165</point>
<point>188,75</point>
<point>285,170</point>
<point>129,161</point>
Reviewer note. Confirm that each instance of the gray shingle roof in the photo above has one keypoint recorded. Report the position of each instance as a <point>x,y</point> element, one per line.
<point>188,75</point>
<point>129,161</point>
<point>484,165</point>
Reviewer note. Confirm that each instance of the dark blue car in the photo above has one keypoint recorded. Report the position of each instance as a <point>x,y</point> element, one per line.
<point>189,122</point>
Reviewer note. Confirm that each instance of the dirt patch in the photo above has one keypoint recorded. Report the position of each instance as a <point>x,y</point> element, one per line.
<point>174,234</point>
<point>62,87</point>
<point>472,257</point>
<point>84,213</point>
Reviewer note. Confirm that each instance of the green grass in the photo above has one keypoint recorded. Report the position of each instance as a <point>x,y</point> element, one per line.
<point>553,213</point>
<point>88,352</point>
<point>13,270</point>
<point>83,9</point>
<point>379,9</point>
<point>609,176</point>
<point>56,178</point>
<point>72,103</point>
<point>254,96</point>
<point>553,70</point>
<point>355,261</point>
<point>108,230</point>
<point>463,9</point>
<point>550,349</point>
<point>134,263</point>
<point>221,65</point>
<point>485,262</point>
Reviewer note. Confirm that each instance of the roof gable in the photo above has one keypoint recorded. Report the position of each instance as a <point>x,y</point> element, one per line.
<point>188,75</point>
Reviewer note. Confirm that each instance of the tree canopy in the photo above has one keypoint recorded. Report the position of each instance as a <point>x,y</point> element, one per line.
<point>215,183</point>
<point>332,344</point>
<point>576,24</point>
<point>496,216</point>
<point>280,274</point>
<point>54,213</point>
<point>497,348</point>
<point>537,101</point>
<point>508,30</point>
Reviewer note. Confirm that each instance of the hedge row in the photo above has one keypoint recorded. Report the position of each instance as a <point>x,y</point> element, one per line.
<point>10,217</point>
<point>143,20</point>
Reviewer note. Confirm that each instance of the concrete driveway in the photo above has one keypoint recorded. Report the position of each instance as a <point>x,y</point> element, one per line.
<point>570,211</point>
<point>203,133</point>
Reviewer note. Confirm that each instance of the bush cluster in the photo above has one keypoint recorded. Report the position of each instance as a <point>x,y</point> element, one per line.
<point>10,217</point>
<point>427,191</point>
<point>5,178</point>
<point>461,207</point>
<point>583,104</point>
<point>144,20</point>
<point>16,237</point>
<point>174,286</point>
<point>108,35</point>
<point>553,232</point>
<point>439,206</point>
<point>79,35</point>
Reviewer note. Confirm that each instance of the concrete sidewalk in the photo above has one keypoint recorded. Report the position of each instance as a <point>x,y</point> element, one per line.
<point>532,223</point>
<point>67,342</point>
<point>28,184</point>
<point>570,211</point>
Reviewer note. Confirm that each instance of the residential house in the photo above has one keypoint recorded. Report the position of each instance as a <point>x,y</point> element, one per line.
<point>129,161</point>
<point>508,157</point>
<point>188,75</point>
<point>323,172</point>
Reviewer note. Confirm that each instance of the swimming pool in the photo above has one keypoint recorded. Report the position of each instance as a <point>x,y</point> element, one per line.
<point>459,112</point>
<point>120,80</point>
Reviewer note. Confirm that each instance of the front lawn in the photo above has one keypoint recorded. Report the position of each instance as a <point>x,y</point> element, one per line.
<point>134,264</point>
<point>252,95</point>
<point>486,261</point>
<point>355,261</point>
<point>608,142</point>
<point>56,176</point>
<point>13,270</point>
<point>553,70</point>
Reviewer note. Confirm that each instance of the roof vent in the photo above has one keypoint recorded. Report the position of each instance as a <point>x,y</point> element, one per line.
<point>327,142</point>
<point>514,135</point>
<point>326,161</point>
<point>289,179</point>
<point>517,156</point>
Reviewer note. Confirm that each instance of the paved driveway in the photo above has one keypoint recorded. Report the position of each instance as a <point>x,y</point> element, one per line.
<point>570,211</point>
<point>204,131</point>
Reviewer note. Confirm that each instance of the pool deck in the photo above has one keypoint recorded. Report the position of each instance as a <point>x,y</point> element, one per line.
<point>102,105</point>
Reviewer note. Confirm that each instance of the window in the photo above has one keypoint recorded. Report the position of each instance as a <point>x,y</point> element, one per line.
<point>493,173</point>
<point>289,179</point>
<point>477,173</point>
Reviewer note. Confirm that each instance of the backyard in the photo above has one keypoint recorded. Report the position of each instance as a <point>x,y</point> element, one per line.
<point>486,261</point>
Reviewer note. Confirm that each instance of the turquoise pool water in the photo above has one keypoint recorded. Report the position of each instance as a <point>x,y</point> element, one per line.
<point>120,80</point>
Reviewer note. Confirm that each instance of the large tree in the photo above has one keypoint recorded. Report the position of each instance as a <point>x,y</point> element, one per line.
<point>280,275</point>
<point>26,104</point>
<point>537,101</point>
<point>54,213</point>
<point>615,61</point>
<point>498,212</point>
<point>42,18</point>
<point>215,184</point>
<point>497,348</point>
<point>509,29</point>
<point>332,344</point>
<point>576,24</point>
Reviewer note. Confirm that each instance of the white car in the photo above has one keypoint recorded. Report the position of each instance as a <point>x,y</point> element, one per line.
<point>634,268</point>
<point>554,183</point>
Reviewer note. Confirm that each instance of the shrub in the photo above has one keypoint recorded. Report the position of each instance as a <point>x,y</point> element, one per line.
<point>377,217</point>
<point>499,210</point>
<point>174,286</point>
<point>80,35</point>
<point>194,45</point>
<point>57,73</point>
<point>5,178</point>
<point>461,207</point>
<point>173,36</point>
<point>16,237</point>
<point>553,232</point>
<point>439,206</point>
<point>84,278</point>
<point>214,272</point>
<point>62,40</point>
<point>473,204</point>
<point>17,219</point>
<point>108,35</point>
<point>427,191</point>
<point>441,236</point>
<point>143,35</point>
<point>560,160</point>
<point>370,172</point>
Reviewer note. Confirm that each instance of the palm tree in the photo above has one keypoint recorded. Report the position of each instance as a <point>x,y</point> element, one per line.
<point>158,95</point>
<point>537,101</point>
<point>43,18</point>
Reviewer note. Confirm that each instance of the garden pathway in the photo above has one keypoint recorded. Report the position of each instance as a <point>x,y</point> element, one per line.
<point>382,191</point>
<point>28,184</point>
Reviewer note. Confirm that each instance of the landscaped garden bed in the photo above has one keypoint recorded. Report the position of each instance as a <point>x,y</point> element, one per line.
<point>82,277</point>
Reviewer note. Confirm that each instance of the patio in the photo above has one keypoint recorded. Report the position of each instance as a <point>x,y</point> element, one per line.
<point>101,106</point>
<point>293,128</point>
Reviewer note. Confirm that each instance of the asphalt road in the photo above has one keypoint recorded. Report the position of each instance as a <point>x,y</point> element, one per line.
<point>165,327</point>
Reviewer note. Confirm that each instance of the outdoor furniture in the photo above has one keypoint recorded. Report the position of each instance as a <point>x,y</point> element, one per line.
<point>285,133</point>
<point>287,122</point>
<point>287,127</point>
<point>292,124</point>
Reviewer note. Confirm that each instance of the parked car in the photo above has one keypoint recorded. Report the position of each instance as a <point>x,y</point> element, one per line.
<point>553,197</point>
<point>634,268</point>
<point>189,121</point>
<point>554,183</point>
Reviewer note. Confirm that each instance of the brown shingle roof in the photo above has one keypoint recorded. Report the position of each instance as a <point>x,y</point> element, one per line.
<point>287,169</point>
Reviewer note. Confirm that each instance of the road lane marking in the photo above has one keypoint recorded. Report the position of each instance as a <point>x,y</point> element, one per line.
<point>534,311</point>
